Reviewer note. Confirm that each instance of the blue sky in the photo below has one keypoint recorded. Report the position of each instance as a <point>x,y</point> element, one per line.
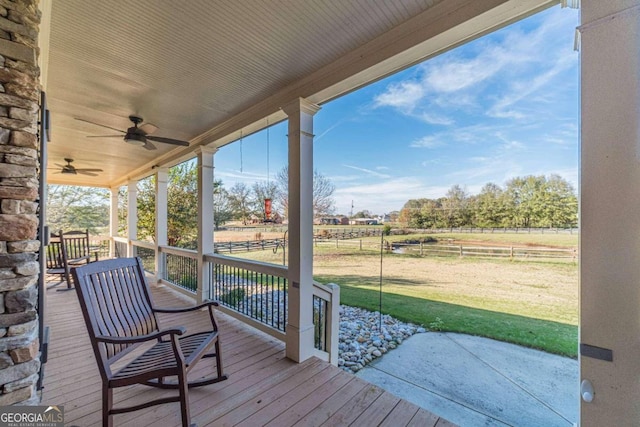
<point>502,106</point>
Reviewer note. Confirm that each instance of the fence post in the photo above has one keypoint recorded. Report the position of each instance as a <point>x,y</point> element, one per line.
<point>511,252</point>
<point>360,244</point>
<point>421,247</point>
<point>460,250</point>
<point>337,242</point>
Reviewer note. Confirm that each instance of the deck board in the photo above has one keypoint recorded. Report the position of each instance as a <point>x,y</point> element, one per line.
<point>264,387</point>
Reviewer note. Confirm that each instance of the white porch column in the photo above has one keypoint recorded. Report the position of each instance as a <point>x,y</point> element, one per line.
<point>132,215</point>
<point>610,211</point>
<point>300,290</point>
<point>113,220</point>
<point>205,217</point>
<point>162,178</point>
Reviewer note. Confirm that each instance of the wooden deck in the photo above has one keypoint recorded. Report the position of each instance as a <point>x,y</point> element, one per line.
<point>264,388</point>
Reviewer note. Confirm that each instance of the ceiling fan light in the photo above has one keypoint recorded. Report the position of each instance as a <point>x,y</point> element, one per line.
<point>134,139</point>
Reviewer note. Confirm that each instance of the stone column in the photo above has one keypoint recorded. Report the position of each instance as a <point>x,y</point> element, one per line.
<point>205,218</point>
<point>19,267</point>
<point>300,330</point>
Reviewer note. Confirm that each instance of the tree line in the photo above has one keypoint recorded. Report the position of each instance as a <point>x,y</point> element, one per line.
<point>530,201</point>
<point>241,202</point>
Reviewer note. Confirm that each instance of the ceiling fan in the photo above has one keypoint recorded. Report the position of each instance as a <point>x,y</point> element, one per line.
<point>70,169</point>
<point>138,135</point>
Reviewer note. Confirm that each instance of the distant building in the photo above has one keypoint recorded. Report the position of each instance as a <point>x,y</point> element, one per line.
<point>364,221</point>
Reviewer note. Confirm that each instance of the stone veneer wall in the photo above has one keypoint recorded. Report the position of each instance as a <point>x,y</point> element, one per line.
<point>19,267</point>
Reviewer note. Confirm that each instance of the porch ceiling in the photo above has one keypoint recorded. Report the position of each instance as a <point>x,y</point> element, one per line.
<point>202,70</point>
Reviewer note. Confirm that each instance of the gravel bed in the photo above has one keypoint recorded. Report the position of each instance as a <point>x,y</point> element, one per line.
<point>361,339</point>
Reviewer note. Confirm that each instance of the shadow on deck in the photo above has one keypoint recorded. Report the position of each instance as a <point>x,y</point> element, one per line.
<point>264,387</point>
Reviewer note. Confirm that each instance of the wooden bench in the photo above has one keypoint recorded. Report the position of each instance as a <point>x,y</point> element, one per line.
<point>78,248</point>
<point>120,316</point>
<point>57,261</point>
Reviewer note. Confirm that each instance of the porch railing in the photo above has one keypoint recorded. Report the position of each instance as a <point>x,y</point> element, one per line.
<point>180,268</point>
<point>146,251</point>
<point>253,292</point>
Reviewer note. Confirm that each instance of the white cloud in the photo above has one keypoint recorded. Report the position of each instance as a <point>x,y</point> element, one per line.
<point>489,76</point>
<point>403,96</point>
<point>429,141</point>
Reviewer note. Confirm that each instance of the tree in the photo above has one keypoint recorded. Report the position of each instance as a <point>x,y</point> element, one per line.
<point>323,189</point>
<point>559,203</point>
<point>491,209</point>
<point>73,208</point>
<point>455,207</point>
<point>240,201</point>
<point>182,206</point>
<point>221,205</point>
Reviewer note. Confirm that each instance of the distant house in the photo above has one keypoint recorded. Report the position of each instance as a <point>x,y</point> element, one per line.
<point>384,218</point>
<point>327,221</point>
<point>364,221</point>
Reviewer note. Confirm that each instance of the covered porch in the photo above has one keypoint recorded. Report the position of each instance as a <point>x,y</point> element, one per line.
<point>210,72</point>
<point>264,386</point>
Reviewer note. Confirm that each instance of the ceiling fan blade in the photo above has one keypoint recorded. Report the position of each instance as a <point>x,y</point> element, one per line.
<point>168,140</point>
<point>98,124</point>
<point>148,128</point>
<point>59,165</point>
<point>104,136</point>
<point>148,145</point>
<point>83,172</point>
<point>89,170</point>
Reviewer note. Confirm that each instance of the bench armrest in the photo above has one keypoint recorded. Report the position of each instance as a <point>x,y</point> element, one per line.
<point>186,309</point>
<point>179,330</point>
<point>208,304</point>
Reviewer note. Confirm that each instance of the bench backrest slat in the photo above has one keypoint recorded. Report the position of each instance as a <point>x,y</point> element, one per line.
<point>116,302</point>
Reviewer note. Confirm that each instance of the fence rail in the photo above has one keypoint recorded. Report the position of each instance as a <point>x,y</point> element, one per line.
<point>511,252</point>
<point>496,230</point>
<point>248,245</point>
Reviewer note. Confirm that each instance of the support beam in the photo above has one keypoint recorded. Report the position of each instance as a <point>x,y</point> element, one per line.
<point>205,218</point>
<point>162,178</point>
<point>300,282</point>
<point>609,219</point>
<point>132,215</point>
<point>113,220</point>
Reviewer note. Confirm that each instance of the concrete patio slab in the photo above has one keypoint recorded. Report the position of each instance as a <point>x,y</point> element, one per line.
<point>475,381</point>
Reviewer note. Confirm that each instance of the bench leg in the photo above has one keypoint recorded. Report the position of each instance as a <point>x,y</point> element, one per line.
<point>184,398</point>
<point>107,404</point>
<point>218,359</point>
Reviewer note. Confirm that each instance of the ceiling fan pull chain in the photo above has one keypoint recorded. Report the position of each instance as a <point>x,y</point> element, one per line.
<point>240,150</point>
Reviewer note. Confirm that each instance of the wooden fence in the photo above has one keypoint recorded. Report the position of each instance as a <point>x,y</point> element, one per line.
<point>495,230</point>
<point>431,249</point>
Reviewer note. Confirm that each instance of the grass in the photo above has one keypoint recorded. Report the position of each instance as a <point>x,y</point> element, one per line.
<point>534,304</point>
<point>549,239</point>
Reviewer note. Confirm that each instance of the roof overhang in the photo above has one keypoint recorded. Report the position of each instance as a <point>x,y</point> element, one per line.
<point>205,71</point>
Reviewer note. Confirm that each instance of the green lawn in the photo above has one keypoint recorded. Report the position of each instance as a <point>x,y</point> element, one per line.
<point>534,304</point>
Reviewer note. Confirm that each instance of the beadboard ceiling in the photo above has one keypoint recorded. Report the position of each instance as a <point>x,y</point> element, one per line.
<point>201,70</point>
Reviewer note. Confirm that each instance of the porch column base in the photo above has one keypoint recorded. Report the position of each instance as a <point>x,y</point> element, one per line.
<point>299,343</point>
